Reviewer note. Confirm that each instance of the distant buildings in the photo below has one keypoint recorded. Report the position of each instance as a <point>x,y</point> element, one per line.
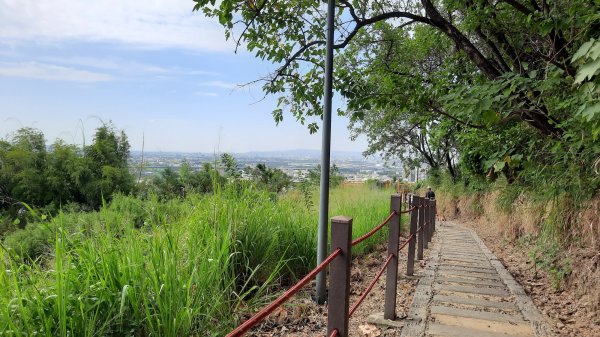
<point>354,168</point>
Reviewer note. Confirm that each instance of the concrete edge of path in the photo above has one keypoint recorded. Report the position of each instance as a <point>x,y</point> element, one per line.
<point>530,312</point>
<point>416,320</point>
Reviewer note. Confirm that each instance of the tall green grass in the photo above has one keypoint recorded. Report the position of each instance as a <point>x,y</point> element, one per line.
<point>175,268</point>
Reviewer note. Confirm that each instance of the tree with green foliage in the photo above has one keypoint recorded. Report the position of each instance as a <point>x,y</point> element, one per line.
<point>171,183</point>
<point>271,179</point>
<point>335,177</point>
<point>500,84</point>
<point>64,162</point>
<point>23,168</point>
<point>230,166</point>
<point>51,177</point>
<point>106,170</point>
<point>503,41</point>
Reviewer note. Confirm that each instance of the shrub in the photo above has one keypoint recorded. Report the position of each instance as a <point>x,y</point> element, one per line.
<point>30,243</point>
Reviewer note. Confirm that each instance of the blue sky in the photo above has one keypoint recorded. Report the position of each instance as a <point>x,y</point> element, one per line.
<point>153,67</point>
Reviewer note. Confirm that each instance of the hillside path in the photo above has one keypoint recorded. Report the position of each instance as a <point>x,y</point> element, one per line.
<point>464,291</point>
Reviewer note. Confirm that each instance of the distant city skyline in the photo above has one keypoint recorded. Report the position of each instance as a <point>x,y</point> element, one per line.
<point>164,74</point>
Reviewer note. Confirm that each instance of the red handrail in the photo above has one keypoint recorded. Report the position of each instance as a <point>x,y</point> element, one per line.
<point>374,230</point>
<point>412,236</point>
<point>368,290</point>
<point>409,210</point>
<point>266,311</point>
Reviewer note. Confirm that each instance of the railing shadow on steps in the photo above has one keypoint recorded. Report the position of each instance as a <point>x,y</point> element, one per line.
<point>422,226</point>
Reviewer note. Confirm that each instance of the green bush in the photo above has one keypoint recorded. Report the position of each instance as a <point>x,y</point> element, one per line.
<point>31,242</point>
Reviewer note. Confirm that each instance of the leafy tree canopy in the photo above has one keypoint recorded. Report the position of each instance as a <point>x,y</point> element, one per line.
<point>477,86</point>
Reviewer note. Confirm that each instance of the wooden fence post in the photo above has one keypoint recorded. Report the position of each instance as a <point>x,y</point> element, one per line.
<point>428,222</point>
<point>391,279</point>
<point>424,213</point>
<point>434,216</point>
<point>431,218</point>
<point>338,299</point>
<point>421,236</point>
<point>414,217</point>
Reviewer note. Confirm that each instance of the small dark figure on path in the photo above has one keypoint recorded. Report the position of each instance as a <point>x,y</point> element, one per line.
<point>429,194</point>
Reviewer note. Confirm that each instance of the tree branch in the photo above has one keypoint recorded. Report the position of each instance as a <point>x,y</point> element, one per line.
<point>443,113</point>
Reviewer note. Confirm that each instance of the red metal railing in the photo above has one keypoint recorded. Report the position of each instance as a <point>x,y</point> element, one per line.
<point>340,271</point>
<point>266,311</point>
<point>374,230</point>
<point>370,286</point>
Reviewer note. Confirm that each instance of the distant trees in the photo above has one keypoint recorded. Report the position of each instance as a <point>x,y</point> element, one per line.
<point>230,166</point>
<point>335,177</point>
<point>171,184</point>
<point>62,173</point>
<point>174,184</point>
<point>272,179</point>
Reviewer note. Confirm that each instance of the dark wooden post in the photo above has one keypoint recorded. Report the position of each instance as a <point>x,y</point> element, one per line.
<point>427,222</point>
<point>391,279</point>
<point>339,276</point>
<point>414,217</point>
<point>429,212</point>
<point>425,214</point>
<point>434,214</point>
<point>431,220</point>
<point>421,235</point>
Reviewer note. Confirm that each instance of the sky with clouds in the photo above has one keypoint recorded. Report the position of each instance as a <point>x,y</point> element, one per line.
<point>159,71</point>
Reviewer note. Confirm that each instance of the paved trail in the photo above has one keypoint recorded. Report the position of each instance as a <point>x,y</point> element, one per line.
<point>466,292</point>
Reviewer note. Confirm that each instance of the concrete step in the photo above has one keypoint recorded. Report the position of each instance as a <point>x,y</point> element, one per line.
<point>468,274</point>
<point>482,315</point>
<point>474,302</point>
<point>471,290</point>
<point>458,331</point>
<point>470,282</point>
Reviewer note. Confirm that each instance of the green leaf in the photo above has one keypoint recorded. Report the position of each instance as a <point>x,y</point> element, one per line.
<point>499,166</point>
<point>590,112</point>
<point>533,74</point>
<point>582,51</point>
<point>489,163</point>
<point>587,71</point>
<point>490,116</point>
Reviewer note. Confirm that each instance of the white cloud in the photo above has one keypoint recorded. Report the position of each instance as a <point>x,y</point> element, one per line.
<point>206,94</point>
<point>43,71</point>
<point>118,68</point>
<point>134,23</point>
<point>221,84</point>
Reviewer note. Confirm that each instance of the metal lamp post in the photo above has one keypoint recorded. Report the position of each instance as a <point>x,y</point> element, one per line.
<point>325,156</point>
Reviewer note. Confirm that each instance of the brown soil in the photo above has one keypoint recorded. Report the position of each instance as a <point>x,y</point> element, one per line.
<point>566,312</point>
<point>302,317</point>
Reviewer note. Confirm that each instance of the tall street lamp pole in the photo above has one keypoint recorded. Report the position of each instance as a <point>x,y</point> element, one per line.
<point>325,156</point>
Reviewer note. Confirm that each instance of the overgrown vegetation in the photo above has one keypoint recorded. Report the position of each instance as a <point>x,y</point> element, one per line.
<point>166,267</point>
<point>85,251</point>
